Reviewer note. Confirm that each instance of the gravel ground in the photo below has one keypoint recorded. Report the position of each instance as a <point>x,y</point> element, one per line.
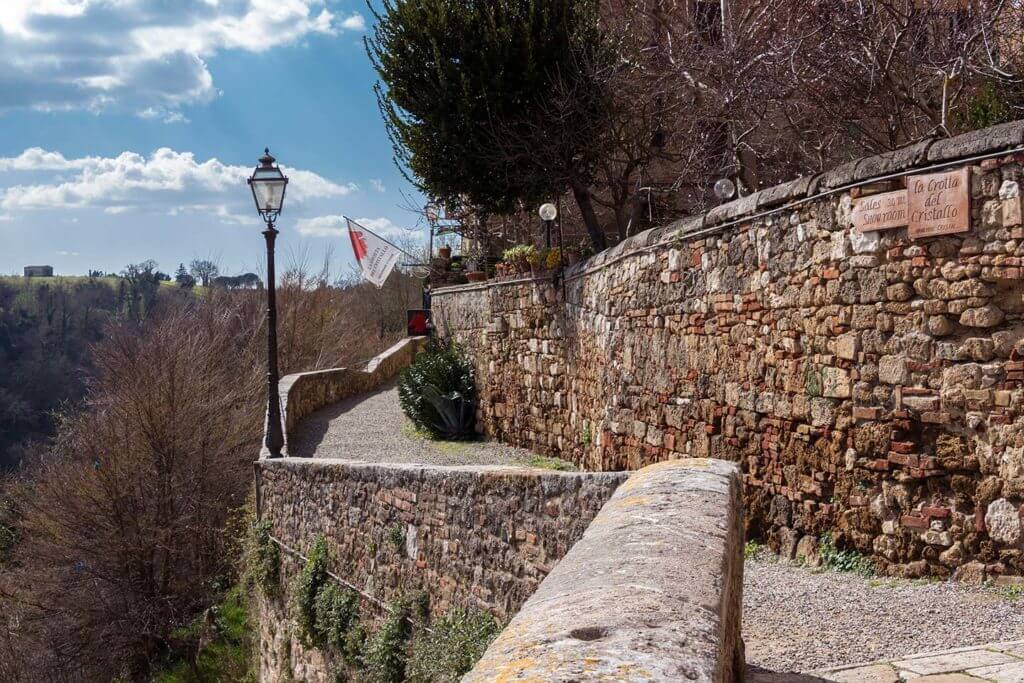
<point>799,620</point>
<point>372,428</point>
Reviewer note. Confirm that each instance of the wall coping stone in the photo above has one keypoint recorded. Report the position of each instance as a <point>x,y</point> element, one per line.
<point>428,469</point>
<point>652,592</point>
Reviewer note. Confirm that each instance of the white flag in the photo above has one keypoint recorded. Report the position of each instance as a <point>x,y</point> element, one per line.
<point>376,256</point>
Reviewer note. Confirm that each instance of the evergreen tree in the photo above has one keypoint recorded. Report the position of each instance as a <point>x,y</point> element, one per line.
<point>499,103</point>
<point>183,278</point>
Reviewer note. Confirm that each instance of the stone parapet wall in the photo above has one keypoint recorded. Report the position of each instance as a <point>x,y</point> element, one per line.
<point>472,536</point>
<point>305,393</point>
<point>870,385</point>
<point>652,592</point>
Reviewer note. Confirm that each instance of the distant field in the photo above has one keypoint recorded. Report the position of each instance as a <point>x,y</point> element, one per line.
<point>17,280</point>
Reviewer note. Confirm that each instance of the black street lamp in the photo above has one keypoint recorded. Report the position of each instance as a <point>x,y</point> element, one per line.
<point>268,185</point>
<point>548,212</point>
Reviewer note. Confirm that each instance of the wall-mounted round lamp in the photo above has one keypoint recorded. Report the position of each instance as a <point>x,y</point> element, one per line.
<point>725,189</point>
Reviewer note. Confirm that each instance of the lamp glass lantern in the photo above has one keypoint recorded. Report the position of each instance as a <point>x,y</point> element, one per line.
<point>548,212</point>
<point>268,185</point>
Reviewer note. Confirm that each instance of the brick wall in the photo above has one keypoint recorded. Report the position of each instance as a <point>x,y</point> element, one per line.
<point>870,385</point>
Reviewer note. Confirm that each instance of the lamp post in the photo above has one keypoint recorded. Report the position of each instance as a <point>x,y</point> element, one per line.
<point>548,212</point>
<point>268,185</point>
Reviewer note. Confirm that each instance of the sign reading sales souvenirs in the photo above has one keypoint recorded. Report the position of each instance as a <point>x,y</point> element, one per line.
<point>939,203</point>
<point>376,256</point>
<point>883,211</point>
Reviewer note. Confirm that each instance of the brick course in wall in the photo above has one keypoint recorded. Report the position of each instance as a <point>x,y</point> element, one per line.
<point>871,386</point>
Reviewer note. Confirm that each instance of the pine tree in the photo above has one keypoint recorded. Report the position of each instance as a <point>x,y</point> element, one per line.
<point>496,102</point>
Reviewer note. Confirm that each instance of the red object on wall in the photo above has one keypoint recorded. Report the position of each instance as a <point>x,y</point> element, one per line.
<point>418,322</point>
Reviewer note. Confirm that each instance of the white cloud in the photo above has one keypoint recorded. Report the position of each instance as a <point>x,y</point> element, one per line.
<point>356,22</point>
<point>335,226</point>
<point>166,180</point>
<point>67,253</point>
<point>164,115</point>
<point>378,184</point>
<point>321,226</point>
<point>95,54</point>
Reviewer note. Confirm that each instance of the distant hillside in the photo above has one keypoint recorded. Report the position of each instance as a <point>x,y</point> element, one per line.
<point>46,328</point>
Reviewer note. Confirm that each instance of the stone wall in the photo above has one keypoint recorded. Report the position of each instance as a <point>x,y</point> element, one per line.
<point>652,592</point>
<point>870,385</point>
<point>482,536</point>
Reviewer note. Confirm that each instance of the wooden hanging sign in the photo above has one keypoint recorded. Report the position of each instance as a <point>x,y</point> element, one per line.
<point>883,211</point>
<point>939,203</point>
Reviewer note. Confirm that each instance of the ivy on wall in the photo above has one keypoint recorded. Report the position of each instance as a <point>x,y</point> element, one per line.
<point>404,646</point>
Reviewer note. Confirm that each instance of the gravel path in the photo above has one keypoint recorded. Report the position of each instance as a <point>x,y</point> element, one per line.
<point>372,428</point>
<point>796,620</point>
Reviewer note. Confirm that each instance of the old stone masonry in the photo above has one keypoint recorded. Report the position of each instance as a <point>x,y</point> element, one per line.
<point>870,384</point>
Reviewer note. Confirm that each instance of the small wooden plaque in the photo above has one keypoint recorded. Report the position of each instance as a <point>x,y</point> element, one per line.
<point>939,203</point>
<point>883,211</point>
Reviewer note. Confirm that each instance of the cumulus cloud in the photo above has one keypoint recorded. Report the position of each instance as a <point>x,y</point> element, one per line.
<point>166,180</point>
<point>335,226</point>
<point>149,55</point>
<point>377,184</point>
<point>356,22</point>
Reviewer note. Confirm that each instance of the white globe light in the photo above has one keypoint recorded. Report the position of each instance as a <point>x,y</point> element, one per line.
<point>548,212</point>
<point>725,189</point>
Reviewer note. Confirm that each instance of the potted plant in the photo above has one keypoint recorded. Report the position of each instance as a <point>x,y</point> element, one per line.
<point>536,260</point>
<point>520,256</point>
<point>553,259</point>
<point>445,252</point>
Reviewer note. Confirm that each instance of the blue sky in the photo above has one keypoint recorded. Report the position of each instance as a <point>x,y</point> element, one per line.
<point>127,128</point>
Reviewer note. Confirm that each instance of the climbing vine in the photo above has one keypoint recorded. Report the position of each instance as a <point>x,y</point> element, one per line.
<point>404,646</point>
<point>264,559</point>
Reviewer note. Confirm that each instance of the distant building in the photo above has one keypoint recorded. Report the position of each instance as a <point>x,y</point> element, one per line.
<point>38,271</point>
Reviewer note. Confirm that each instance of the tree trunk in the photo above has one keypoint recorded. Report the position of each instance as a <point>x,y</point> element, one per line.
<point>582,195</point>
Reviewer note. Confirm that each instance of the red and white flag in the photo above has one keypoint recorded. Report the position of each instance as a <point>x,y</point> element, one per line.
<point>376,256</point>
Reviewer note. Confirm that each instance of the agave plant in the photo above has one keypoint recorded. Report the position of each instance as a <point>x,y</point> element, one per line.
<point>437,393</point>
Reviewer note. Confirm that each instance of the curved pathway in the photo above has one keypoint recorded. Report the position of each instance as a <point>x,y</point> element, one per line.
<point>372,428</point>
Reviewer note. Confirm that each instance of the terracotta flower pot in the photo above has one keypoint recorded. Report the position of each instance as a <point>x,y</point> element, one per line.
<point>476,276</point>
<point>445,252</point>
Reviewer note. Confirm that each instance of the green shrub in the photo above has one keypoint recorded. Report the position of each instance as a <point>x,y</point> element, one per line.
<point>224,638</point>
<point>355,640</point>
<point>263,559</point>
<point>396,537</point>
<point>437,393</point>
<point>843,560</point>
<point>385,652</point>
<point>452,647</point>
<point>336,610</point>
<point>308,584</point>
